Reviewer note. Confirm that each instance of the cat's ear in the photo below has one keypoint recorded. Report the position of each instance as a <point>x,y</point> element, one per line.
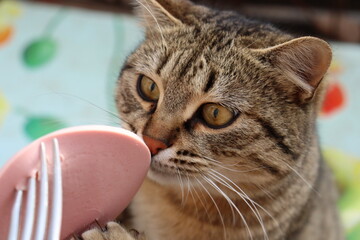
<point>302,61</point>
<point>162,13</point>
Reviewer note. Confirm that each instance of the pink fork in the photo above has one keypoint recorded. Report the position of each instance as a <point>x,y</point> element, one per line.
<point>39,228</point>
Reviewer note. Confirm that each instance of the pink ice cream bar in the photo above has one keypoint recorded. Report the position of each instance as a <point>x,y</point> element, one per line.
<point>102,169</point>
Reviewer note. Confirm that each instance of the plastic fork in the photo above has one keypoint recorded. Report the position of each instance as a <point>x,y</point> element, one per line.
<point>38,228</point>
<point>82,195</point>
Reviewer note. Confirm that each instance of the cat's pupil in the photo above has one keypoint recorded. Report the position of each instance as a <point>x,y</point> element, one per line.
<point>216,112</point>
<point>152,87</point>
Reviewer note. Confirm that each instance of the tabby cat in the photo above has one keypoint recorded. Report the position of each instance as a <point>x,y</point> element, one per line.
<point>228,108</point>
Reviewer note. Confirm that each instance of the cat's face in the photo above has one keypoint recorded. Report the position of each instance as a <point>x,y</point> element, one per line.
<point>209,106</point>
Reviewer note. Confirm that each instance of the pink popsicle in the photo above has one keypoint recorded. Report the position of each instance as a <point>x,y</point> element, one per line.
<point>102,169</point>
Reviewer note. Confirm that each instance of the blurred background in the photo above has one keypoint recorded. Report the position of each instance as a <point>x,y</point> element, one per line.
<point>59,60</point>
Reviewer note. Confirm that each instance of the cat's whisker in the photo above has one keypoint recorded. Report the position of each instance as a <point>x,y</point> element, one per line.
<point>192,195</point>
<point>221,177</point>
<point>269,195</point>
<point>222,165</point>
<point>115,115</point>
<point>218,162</point>
<point>238,171</point>
<point>216,206</point>
<point>201,201</point>
<point>110,113</point>
<point>147,8</point>
<point>301,177</point>
<point>252,206</point>
<point>252,43</point>
<point>151,32</point>
<point>181,186</point>
<point>186,186</point>
<point>230,202</point>
<point>247,197</point>
<point>225,178</point>
<point>230,205</point>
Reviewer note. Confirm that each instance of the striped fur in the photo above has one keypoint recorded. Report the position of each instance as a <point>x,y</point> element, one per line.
<point>261,177</point>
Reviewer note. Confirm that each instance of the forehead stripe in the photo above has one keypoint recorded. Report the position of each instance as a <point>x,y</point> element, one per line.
<point>163,62</point>
<point>210,82</point>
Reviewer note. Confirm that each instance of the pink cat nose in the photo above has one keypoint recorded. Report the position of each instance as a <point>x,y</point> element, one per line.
<point>154,145</point>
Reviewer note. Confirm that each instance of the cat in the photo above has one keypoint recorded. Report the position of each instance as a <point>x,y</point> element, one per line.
<point>227,107</point>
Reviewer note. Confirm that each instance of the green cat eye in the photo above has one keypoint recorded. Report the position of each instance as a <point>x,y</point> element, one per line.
<point>147,89</point>
<point>216,116</point>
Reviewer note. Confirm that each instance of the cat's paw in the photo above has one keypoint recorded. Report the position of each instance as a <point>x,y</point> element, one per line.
<point>112,231</point>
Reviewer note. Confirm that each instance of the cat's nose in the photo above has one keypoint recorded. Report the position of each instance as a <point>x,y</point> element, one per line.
<point>154,145</point>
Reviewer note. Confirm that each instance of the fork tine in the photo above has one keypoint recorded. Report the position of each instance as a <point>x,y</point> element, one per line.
<point>44,201</point>
<point>56,214</point>
<point>30,209</point>
<point>15,216</point>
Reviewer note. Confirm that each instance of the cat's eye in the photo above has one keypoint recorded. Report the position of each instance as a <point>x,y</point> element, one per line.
<point>147,89</point>
<point>216,116</point>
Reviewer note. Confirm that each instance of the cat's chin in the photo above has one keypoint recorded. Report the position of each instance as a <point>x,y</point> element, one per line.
<point>162,178</point>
